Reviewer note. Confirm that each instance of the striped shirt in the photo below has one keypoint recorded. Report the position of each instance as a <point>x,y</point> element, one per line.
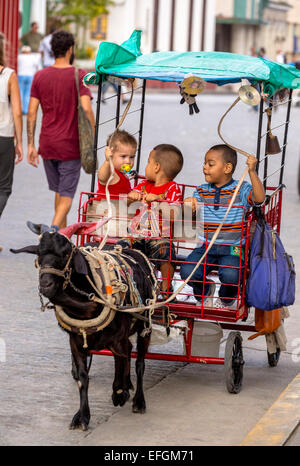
<point>215,203</point>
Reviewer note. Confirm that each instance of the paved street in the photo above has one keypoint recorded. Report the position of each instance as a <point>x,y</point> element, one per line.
<point>187,404</point>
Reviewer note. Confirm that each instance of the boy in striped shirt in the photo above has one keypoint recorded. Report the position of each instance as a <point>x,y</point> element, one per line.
<point>215,195</point>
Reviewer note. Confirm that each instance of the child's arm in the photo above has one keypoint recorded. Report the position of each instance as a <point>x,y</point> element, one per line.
<point>191,202</point>
<point>257,186</point>
<point>104,171</point>
<point>134,196</point>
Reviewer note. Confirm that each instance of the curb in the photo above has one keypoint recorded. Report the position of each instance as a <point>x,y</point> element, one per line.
<point>280,421</point>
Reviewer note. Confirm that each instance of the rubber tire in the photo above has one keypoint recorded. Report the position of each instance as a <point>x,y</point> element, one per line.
<point>273,358</point>
<point>234,362</point>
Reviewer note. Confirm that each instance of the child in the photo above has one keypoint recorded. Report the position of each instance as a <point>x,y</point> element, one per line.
<point>219,165</point>
<point>164,163</point>
<point>122,147</point>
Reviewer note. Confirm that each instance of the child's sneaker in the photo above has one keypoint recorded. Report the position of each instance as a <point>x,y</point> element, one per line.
<point>209,299</point>
<point>229,304</point>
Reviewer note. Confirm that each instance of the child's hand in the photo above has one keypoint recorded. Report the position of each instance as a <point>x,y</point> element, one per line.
<point>150,197</point>
<point>191,201</point>
<point>251,162</point>
<point>135,196</point>
<point>108,153</point>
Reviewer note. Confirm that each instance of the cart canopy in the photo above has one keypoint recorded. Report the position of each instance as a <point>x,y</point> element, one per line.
<point>127,60</point>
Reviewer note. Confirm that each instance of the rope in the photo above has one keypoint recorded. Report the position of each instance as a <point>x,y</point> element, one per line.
<point>153,305</point>
<point>245,172</point>
<point>112,168</point>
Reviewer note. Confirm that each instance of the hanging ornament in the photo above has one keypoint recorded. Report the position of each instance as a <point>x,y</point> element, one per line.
<point>189,88</point>
<point>249,95</point>
<point>272,146</point>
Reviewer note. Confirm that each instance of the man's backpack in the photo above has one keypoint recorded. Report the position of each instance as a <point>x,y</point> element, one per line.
<point>271,283</point>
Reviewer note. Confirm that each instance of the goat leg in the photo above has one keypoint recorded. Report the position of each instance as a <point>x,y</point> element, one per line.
<point>139,404</point>
<point>82,418</point>
<point>122,383</point>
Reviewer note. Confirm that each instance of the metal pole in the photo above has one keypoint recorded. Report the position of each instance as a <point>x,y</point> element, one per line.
<point>258,147</point>
<point>141,127</point>
<point>285,136</point>
<point>203,25</point>
<point>190,25</point>
<point>96,133</point>
<point>155,25</point>
<point>173,4</point>
<point>266,158</point>
<point>118,106</point>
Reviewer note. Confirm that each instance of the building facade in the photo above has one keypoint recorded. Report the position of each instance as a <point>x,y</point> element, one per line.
<point>244,26</point>
<point>9,25</point>
<point>179,25</point>
<point>33,11</point>
<point>238,24</point>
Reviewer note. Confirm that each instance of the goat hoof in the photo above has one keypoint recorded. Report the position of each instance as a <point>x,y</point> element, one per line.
<point>130,386</point>
<point>139,407</point>
<point>119,397</point>
<point>79,422</point>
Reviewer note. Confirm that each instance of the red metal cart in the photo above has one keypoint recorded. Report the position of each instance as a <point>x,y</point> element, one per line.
<point>235,318</point>
<point>230,318</point>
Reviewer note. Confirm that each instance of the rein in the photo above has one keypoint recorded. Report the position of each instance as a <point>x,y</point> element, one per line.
<point>65,273</point>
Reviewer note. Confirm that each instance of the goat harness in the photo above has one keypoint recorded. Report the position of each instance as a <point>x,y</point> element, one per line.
<point>112,279</point>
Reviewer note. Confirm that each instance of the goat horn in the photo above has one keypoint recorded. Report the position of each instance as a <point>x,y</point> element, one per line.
<point>82,228</point>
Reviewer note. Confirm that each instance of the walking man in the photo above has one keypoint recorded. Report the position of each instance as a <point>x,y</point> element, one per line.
<point>54,88</point>
<point>32,38</point>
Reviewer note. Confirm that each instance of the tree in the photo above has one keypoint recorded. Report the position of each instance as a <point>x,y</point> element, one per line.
<point>79,12</point>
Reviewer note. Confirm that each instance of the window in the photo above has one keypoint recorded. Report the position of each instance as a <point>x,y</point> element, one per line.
<point>98,27</point>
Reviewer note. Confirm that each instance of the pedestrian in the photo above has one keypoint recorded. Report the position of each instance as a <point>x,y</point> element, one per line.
<point>10,126</point>
<point>106,85</point>
<point>32,38</point>
<point>28,64</point>
<point>54,88</point>
<point>45,49</point>
<point>262,53</point>
<point>280,57</point>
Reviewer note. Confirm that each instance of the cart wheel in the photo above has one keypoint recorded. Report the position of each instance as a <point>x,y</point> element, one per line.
<point>234,362</point>
<point>74,371</point>
<point>273,358</point>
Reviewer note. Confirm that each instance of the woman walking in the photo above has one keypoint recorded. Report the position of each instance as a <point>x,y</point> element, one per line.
<point>10,127</point>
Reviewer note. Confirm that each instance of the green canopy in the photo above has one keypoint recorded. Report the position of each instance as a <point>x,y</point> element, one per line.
<point>126,60</point>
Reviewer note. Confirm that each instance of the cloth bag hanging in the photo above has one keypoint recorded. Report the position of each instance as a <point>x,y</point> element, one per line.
<point>86,139</point>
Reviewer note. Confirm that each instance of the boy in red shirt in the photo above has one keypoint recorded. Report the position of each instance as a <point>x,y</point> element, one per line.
<point>122,147</point>
<point>164,163</point>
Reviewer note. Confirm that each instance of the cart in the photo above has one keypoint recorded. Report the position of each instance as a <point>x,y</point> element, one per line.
<point>216,68</point>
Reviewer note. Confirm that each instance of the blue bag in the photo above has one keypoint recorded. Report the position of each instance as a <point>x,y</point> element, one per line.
<point>271,283</point>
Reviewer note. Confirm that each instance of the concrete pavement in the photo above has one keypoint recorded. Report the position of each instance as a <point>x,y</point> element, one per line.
<point>187,404</point>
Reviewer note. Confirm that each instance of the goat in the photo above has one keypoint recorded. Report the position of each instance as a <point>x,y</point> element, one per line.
<point>65,279</point>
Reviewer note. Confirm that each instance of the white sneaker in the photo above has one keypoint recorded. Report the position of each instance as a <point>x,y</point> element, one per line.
<point>231,304</point>
<point>209,299</point>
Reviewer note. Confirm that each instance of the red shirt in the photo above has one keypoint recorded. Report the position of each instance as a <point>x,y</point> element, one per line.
<point>169,191</point>
<point>55,88</point>
<point>147,221</point>
<point>121,187</point>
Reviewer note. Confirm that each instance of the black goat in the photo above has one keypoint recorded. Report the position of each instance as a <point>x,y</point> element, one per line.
<point>55,251</point>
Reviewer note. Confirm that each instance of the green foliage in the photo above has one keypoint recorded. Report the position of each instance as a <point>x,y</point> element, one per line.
<point>77,11</point>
